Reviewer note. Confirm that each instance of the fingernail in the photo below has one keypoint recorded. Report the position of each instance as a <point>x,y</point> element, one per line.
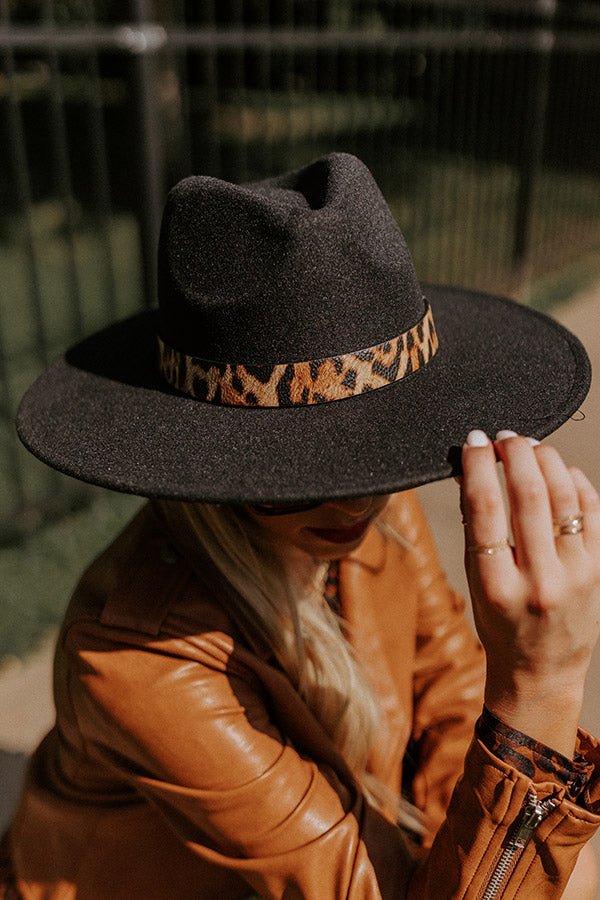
<point>533,441</point>
<point>502,435</point>
<point>477,438</point>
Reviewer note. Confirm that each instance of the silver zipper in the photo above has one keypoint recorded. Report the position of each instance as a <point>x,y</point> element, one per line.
<point>534,812</point>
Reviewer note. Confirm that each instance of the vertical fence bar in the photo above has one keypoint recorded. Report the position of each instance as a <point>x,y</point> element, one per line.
<point>262,140</point>
<point>99,172</point>
<point>146,39</point>
<point>10,461</point>
<point>532,148</point>
<point>181,164</point>
<point>288,80</point>
<point>505,153</point>
<point>186,156</point>
<point>22,189</point>
<point>205,135</point>
<point>422,90</point>
<point>62,177</point>
<point>21,192</point>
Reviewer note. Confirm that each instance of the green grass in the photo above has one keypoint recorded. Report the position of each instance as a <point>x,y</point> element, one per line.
<point>299,116</point>
<point>42,554</point>
<point>39,571</point>
<point>57,288</point>
<point>459,224</point>
<point>54,290</point>
<point>564,283</point>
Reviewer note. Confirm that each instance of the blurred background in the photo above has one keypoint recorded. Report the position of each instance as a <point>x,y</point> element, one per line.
<point>479,119</point>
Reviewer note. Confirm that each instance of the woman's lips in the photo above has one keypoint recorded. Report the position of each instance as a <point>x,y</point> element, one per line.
<point>342,535</point>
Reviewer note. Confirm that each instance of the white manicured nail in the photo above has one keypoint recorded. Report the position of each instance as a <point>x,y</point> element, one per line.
<point>502,435</point>
<point>477,438</point>
<point>533,441</point>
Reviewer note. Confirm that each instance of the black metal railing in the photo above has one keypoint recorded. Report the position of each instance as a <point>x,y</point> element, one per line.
<point>480,122</point>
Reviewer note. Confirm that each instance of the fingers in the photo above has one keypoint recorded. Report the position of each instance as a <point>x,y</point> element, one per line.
<point>589,504</point>
<point>542,493</point>
<point>564,499</point>
<point>481,496</point>
<point>530,507</point>
<point>537,610</point>
<point>486,527</point>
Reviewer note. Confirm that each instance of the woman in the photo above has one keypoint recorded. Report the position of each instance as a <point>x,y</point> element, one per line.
<point>265,684</point>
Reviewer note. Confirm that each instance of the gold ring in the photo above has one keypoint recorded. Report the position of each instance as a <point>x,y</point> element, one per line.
<point>490,548</point>
<point>568,525</point>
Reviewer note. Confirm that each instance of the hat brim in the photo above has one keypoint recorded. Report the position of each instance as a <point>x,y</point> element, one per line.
<point>103,414</point>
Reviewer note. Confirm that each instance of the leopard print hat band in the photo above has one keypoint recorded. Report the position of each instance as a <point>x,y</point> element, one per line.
<point>302,383</point>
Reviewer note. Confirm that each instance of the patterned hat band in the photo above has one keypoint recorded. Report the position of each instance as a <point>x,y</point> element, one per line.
<point>301,383</point>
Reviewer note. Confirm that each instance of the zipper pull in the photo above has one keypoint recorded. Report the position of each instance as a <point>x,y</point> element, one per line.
<point>534,813</point>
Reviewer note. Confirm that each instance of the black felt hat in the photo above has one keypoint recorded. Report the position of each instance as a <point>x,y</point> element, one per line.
<point>294,356</point>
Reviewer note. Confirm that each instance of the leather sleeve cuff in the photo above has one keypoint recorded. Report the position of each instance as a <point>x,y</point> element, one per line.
<point>532,758</point>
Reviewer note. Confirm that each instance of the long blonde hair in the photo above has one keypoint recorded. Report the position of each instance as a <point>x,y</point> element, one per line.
<point>287,616</point>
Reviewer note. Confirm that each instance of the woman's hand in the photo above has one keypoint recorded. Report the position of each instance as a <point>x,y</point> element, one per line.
<point>537,605</point>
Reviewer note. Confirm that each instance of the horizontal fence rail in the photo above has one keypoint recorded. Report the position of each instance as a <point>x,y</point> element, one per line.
<point>479,121</point>
<point>151,38</point>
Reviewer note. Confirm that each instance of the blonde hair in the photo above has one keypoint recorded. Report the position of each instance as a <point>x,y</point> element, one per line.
<point>283,615</point>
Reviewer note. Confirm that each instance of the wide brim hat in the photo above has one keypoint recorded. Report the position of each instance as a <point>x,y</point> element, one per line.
<point>295,356</point>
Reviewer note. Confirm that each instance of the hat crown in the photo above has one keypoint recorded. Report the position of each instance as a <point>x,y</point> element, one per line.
<point>297,267</point>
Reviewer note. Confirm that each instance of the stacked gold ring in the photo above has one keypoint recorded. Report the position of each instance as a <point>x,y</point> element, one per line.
<point>568,525</point>
<point>490,548</point>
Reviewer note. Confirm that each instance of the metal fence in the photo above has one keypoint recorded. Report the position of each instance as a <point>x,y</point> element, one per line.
<point>479,120</point>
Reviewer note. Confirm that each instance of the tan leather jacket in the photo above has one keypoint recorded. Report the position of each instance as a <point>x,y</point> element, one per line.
<point>183,765</point>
